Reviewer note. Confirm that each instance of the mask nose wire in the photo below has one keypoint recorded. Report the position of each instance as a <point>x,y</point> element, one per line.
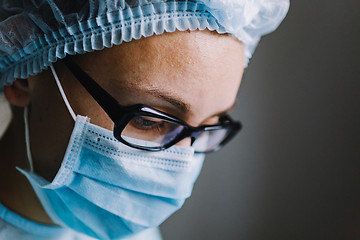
<point>63,95</point>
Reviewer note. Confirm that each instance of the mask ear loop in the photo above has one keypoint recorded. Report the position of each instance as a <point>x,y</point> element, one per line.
<point>26,118</point>
<point>27,139</point>
<point>71,111</point>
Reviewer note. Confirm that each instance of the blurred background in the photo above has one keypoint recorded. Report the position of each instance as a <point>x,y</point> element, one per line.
<point>294,170</point>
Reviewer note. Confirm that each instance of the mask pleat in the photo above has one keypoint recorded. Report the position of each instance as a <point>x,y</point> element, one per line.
<point>126,172</point>
<point>141,208</point>
<point>105,225</point>
<point>61,217</point>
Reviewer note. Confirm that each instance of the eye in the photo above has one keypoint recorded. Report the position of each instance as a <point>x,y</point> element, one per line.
<point>147,123</point>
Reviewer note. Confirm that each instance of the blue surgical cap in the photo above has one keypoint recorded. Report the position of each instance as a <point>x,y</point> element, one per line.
<point>35,33</point>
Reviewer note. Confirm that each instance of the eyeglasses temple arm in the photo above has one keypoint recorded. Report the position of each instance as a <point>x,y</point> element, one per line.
<point>104,99</point>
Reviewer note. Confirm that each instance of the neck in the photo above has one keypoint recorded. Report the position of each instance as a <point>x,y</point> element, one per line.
<point>16,192</point>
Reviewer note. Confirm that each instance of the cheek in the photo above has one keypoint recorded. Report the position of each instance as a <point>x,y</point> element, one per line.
<point>85,105</point>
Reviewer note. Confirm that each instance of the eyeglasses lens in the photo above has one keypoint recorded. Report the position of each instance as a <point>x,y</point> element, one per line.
<point>145,131</point>
<point>210,140</point>
<point>155,131</point>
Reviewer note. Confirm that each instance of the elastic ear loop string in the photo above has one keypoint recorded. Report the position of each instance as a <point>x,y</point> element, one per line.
<point>27,139</point>
<point>26,119</point>
<point>71,111</point>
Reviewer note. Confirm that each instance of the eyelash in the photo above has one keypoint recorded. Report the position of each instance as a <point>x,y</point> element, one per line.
<point>141,120</point>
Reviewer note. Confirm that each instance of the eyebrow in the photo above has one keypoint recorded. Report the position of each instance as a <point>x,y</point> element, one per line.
<point>180,104</point>
<point>167,97</point>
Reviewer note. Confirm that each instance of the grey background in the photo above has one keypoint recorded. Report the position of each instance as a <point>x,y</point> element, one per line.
<point>294,170</point>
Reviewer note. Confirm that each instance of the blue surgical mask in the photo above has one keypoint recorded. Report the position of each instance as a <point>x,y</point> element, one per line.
<point>108,190</point>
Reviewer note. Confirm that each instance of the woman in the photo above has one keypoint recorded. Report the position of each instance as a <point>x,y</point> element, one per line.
<point>146,108</point>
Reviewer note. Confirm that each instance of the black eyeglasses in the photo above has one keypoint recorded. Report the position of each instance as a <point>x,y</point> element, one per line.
<point>146,128</point>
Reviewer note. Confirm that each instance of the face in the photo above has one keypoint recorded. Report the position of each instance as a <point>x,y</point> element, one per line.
<point>194,76</point>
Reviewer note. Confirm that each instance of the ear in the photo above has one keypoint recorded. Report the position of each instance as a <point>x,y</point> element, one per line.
<point>18,94</point>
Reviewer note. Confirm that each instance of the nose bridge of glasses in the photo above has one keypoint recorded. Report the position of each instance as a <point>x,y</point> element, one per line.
<point>191,135</point>
<point>195,134</point>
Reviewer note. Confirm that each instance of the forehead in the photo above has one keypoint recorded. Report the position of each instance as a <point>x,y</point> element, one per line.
<point>195,67</point>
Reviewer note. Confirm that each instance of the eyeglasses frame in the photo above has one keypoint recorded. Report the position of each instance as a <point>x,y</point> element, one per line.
<point>121,115</point>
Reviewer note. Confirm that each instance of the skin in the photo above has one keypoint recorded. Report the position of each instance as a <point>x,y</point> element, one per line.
<point>194,76</point>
